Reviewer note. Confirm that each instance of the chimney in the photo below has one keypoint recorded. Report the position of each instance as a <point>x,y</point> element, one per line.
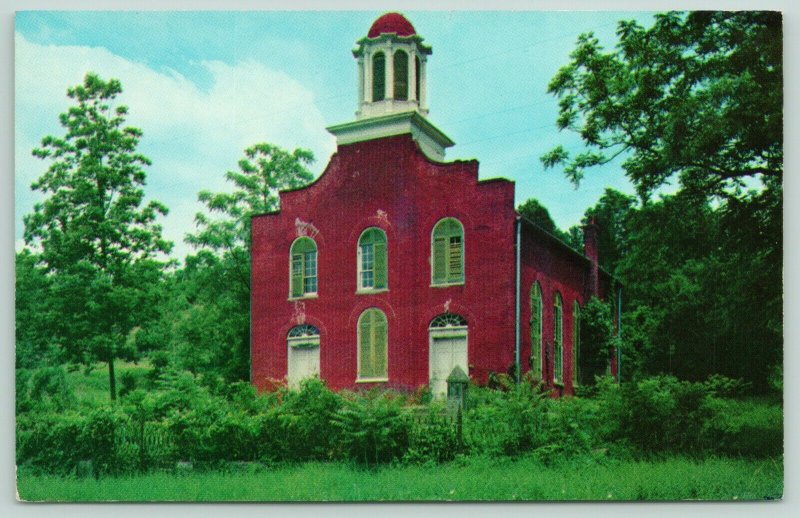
<point>590,245</point>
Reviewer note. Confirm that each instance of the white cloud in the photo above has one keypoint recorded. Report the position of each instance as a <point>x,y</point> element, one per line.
<point>191,135</point>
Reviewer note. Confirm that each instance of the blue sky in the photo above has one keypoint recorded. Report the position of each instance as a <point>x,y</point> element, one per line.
<point>204,85</point>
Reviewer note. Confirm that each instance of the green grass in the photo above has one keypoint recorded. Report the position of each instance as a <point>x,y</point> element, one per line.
<point>91,387</point>
<point>472,479</point>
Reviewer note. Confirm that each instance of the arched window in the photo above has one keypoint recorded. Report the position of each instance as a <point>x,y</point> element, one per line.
<point>536,330</point>
<point>303,336</point>
<point>448,320</point>
<point>378,77</point>
<point>372,267</point>
<point>576,343</point>
<point>558,340</point>
<point>401,75</point>
<point>372,346</point>
<point>303,256</point>
<point>416,65</point>
<point>447,252</point>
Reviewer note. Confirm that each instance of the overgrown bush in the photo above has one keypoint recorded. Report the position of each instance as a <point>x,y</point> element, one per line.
<point>506,422</point>
<point>433,436</point>
<point>372,430</point>
<point>747,428</point>
<point>305,421</point>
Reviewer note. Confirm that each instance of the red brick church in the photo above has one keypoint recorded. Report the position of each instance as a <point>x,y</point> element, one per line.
<point>395,266</point>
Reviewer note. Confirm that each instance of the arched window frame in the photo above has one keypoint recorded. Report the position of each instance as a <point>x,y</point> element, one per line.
<point>558,339</point>
<point>378,76</point>
<point>576,343</point>
<point>303,268</point>
<point>373,346</point>
<point>401,83</point>
<point>448,250</point>
<point>303,337</point>
<point>372,260</point>
<point>536,328</point>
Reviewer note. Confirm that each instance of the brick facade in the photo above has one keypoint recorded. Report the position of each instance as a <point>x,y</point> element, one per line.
<point>390,184</point>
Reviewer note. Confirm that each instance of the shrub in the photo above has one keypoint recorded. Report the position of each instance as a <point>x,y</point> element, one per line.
<point>49,389</point>
<point>432,436</point>
<point>746,428</point>
<point>373,430</point>
<point>658,414</point>
<point>505,423</point>
<point>305,421</point>
<point>127,383</point>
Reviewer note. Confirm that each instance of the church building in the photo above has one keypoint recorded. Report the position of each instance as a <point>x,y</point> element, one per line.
<point>396,266</point>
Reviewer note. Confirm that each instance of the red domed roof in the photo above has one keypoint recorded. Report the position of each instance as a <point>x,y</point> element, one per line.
<point>391,23</point>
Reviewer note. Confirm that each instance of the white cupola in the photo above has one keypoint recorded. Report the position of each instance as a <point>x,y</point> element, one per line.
<point>392,89</point>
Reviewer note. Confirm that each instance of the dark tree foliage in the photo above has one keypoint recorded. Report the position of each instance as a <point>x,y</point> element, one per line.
<point>97,237</point>
<point>535,212</point>
<point>695,101</point>
<point>698,96</point>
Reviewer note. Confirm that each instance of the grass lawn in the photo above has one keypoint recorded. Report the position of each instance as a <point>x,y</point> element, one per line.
<point>471,479</point>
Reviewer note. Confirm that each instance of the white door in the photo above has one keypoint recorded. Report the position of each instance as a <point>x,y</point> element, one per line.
<point>303,363</point>
<point>445,353</point>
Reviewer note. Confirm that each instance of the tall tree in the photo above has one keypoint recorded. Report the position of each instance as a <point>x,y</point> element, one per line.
<point>95,232</point>
<point>698,96</point>
<point>694,101</point>
<point>221,270</point>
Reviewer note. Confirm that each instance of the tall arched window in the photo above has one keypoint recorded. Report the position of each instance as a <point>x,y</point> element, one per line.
<point>401,75</point>
<point>303,258</point>
<point>558,339</point>
<point>378,77</point>
<point>536,330</point>
<point>372,346</point>
<point>576,343</point>
<point>372,268</point>
<point>447,252</point>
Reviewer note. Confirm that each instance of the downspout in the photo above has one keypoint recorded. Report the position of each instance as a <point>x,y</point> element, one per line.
<point>619,334</point>
<point>516,299</point>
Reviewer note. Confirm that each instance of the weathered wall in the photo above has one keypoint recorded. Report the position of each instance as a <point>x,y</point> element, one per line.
<point>386,183</point>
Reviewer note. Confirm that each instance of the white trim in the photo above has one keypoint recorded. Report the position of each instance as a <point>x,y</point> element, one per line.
<point>310,294</point>
<point>371,289</point>
<point>372,380</point>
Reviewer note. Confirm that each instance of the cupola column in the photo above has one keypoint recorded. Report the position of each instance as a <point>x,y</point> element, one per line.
<point>361,80</point>
<point>412,76</point>
<point>389,72</point>
<point>423,81</point>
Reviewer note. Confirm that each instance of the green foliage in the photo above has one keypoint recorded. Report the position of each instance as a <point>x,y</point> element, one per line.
<point>433,437</point>
<point>97,239</point>
<point>598,339</point>
<point>48,389</point>
<point>373,430</point>
<point>744,428</point>
<point>537,213</point>
<point>306,421</point>
<point>696,95</point>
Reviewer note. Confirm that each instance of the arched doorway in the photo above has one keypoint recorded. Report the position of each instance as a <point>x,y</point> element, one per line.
<point>448,348</point>
<point>303,355</point>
